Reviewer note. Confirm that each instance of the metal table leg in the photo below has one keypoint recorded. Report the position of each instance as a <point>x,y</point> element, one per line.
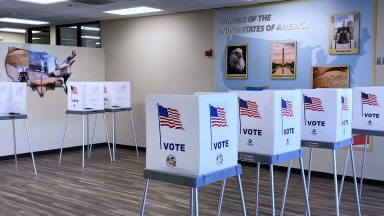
<point>62,143</point>
<point>14,141</point>
<point>134,133</point>
<point>144,197</point>
<point>241,195</point>
<point>257,190</point>
<point>30,146</point>
<point>114,136</point>
<point>272,190</point>
<point>335,181</point>
<point>93,136</point>
<point>191,207</point>
<point>88,133</point>
<point>221,197</point>
<point>83,117</point>
<point>354,179</point>
<point>106,134</point>
<point>343,177</point>
<point>363,166</point>
<point>196,201</point>
<point>308,209</point>
<point>309,172</point>
<point>286,188</point>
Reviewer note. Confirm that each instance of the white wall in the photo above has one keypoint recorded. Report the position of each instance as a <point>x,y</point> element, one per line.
<point>46,115</point>
<point>12,37</point>
<point>160,54</point>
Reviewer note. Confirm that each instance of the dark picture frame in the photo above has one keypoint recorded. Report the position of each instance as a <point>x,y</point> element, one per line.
<point>237,61</point>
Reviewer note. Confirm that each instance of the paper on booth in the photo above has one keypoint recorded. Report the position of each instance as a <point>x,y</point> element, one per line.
<point>368,108</point>
<point>191,134</point>
<point>84,96</point>
<point>117,95</point>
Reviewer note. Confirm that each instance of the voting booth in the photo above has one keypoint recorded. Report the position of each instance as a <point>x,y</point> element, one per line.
<point>117,95</point>
<point>13,98</point>
<point>194,134</point>
<point>368,108</point>
<point>269,121</point>
<point>84,96</point>
<point>326,114</point>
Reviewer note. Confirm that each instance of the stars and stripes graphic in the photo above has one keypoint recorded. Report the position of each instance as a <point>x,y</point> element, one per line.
<point>344,103</point>
<point>169,117</point>
<point>313,103</point>
<point>249,108</point>
<point>74,90</point>
<point>286,108</point>
<point>218,117</point>
<point>369,99</point>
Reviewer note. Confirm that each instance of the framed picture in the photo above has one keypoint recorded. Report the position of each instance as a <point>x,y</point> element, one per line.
<point>255,88</point>
<point>237,60</point>
<point>344,34</point>
<point>330,77</point>
<point>283,60</point>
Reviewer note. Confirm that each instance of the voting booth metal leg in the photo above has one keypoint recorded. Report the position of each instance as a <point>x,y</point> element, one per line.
<point>93,136</point>
<point>363,166</point>
<point>30,145</point>
<point>113,136</point>
<point>191,204</point>
<point>221,197</point>
<point>146,181</point>
<point>83,118</point>
<point>309,169</point>
<point>62,143</point>
<point>134,133</point>
<point>14,141</point>
<point>241,195</point>
<point>196,201</point>
<point>272,190</point>
<point>335,181</point>
<point>106,134</point>
<point>257,190</point>
<point>286,188</point>
<point>308,212</point>
<point>354,179</point>
<point>343,177</point>
<point>88,146</point>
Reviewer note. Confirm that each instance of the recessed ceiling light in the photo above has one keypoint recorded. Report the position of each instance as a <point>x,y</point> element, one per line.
<point>86,28</point>
<point>36,38</point>
<point>43,1</point>
<point>90,37</point>
<point>23,21</point>
<point>13,30</point>
<point>36,32</point>
<point>135,10</point>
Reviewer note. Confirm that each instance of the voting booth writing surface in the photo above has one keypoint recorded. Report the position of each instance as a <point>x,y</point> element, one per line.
<point>117,95</point>
<point>326,114</point>
<point>13,98</point>
<point>368,108</point>
<point>269,121</point>
<point>84,96</point>
<point>191,134</point>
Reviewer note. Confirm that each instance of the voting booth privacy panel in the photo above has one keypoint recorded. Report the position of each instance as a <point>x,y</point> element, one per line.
<point>368,108</point>
<point>326,114</point>
<point>13,98</point>
<point>117,94</point>
<point>269,121</point>
<point>84,96</point>
<point>191,134</point>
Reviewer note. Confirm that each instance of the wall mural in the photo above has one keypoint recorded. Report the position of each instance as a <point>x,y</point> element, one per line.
<point>41,70</point>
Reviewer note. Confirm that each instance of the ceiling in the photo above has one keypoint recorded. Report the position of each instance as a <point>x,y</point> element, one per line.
<point>78,11</point>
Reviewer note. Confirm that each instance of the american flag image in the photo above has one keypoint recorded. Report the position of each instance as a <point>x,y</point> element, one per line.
<point>344,103</point>
<point>313,103</point>
<point>369,99</point>
<point>74,90</point>
<point>286,108</point>
<point>249,108</point>
<point>105,90</point>
<point>170,117</point>
<point>218,118</point>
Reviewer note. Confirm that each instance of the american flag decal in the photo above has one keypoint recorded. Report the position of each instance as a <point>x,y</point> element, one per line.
<point>74,90</point>
<point>286,108</point>
<point>313,103</point>
<point>344,103</point>
<point>169,117</point>
<point>249,108</point>
<point>218,117</point>
<point>369,99</point>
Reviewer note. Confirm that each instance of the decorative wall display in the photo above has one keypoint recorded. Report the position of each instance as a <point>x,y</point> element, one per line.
<point>330,77</point>
<point>283,60</point>
<point>40,70</point>
<point>344,34</point>
<point>237,59</point>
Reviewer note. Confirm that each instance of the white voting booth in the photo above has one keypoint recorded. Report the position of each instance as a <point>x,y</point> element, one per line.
<point>326,114</point>
<point>193,134</point>
<point>368,108</point>
<point>13,98</point>
<point>269,121</point>
<point>117,94</point>
<point>84,96</point>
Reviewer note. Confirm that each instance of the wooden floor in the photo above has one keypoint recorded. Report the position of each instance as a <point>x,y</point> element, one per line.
<point>105,188</point>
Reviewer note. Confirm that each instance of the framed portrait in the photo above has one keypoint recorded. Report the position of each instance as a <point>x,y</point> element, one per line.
<point>344,33</point>
<point>330,77</point>
<point>283,60</point>
<point>237,60</point>
<point>255,88</point>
